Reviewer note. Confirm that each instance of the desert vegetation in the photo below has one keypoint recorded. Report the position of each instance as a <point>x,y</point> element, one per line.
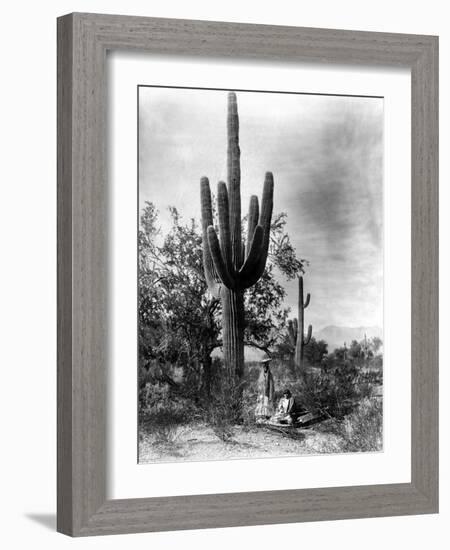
<point>212,288</point>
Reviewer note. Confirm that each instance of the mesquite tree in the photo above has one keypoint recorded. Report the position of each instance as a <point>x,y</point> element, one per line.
<point>296,328</point>
<point>231,266</point>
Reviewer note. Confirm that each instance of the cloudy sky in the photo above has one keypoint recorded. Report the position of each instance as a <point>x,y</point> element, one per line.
<point>326,156</point>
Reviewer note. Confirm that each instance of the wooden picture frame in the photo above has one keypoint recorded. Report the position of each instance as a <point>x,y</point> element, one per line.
<point>83,40</point>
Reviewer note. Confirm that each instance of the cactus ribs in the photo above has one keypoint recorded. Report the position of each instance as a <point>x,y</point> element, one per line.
<point>231,266</point>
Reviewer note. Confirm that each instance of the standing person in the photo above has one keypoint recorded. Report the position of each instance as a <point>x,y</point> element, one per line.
<point>266,389</point>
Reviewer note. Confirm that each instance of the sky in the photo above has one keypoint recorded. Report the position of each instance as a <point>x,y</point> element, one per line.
<point>326,155</point>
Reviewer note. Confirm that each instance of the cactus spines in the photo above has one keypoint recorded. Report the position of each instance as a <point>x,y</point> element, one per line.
<point>230,266</point>
<point>296,327</point>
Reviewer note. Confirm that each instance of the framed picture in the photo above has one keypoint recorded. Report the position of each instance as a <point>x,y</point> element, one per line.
<point>247,274</point>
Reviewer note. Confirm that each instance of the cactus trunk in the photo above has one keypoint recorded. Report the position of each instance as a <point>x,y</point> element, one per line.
<point>233,331</point>
<point>229,267</point>
<point>301,340</point>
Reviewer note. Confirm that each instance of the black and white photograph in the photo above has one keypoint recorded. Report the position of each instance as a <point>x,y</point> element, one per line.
<point>222,249</point>
<point>260,274</point>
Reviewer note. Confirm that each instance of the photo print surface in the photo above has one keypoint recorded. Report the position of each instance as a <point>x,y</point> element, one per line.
<point>260,277</point>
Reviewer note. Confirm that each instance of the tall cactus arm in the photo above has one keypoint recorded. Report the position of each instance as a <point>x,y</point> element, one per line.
<point>308,298</point>
<point>233,151</point>
<point>300,294</point>
<point>219,264</point>
<point>212,279</point>
<point>308,336</point>
<point>205,203</point>
<point>267,201</point>
<point>224,225</point>
<point>264,221</point>
<point>252,258</point>
<point>253,216</point>
<point>234,179</point>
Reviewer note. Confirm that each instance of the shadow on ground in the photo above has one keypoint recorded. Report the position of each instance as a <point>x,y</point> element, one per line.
<point>46,520</point>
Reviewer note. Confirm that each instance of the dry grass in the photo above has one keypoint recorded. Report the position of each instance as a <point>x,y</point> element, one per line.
<point>361,431</point>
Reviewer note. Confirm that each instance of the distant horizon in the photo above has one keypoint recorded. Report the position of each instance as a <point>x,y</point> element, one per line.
<point>351,327</point>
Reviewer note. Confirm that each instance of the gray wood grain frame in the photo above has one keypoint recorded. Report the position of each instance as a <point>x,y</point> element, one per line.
<point>83,40</point>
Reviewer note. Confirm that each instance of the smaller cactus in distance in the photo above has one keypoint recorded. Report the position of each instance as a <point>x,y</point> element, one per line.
<point>292,329</point>
<point>296,327</point>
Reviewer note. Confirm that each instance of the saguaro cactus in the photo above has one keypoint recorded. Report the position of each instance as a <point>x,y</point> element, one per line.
<point>296,327</point>
<point>231,266</point>
<point>292,329</point>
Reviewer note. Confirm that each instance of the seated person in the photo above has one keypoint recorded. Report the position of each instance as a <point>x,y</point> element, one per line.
<point>286,410</point>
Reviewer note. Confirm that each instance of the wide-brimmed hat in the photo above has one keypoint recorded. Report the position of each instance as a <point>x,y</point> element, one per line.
<point>266,361</point>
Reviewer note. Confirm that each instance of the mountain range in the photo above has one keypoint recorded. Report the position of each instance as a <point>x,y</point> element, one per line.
<point>336,336</point>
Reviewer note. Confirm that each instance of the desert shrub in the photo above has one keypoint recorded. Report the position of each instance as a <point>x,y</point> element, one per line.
<point>377,362</point>
<point>315,351</point>
<point>362,430</point>
<point>332,390</point>
<point>359,431</point>
<point>164,426</point>
<point>162,413</point>
<point>225,407</point>
<point>249,400</point>
<point>372,375</point>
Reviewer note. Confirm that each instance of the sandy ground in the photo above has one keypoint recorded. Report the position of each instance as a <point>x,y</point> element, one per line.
<point>199,442</point>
